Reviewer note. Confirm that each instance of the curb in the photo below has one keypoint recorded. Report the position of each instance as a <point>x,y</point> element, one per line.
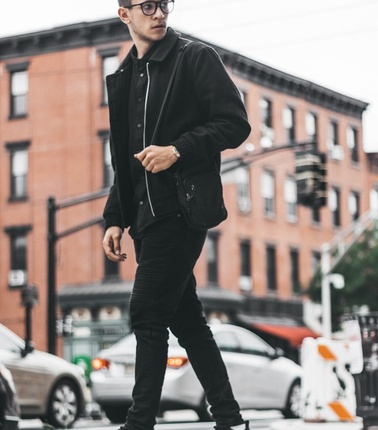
<point>301,425</point>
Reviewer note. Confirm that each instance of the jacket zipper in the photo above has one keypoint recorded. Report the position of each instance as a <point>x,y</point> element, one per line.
<point>144,136</point>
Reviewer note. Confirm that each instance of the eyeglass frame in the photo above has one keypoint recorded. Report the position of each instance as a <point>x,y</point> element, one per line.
<point>157,4</point>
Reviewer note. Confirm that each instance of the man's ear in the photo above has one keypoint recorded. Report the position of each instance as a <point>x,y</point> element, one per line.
<point>124,15</point>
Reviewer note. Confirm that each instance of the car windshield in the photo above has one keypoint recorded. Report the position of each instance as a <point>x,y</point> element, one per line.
<point>9,341</point>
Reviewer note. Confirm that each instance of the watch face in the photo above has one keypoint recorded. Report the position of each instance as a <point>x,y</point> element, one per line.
<point>176,152</point>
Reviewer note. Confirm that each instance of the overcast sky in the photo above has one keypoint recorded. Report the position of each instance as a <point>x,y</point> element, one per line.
<point>331,42</point>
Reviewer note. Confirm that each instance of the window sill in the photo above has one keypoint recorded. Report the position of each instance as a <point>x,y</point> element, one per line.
<point>15,117</point>
<point>14,199</point>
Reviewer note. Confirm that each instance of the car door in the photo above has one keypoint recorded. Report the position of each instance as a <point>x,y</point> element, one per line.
<point>240,367</point>
<point>29,374</point>
<point>266,378</point>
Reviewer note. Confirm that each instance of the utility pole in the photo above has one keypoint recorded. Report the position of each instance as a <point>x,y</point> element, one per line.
<point>52,239</point>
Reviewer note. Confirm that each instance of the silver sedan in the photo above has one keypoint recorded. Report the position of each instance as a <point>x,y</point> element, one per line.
<point>260,376</point>
<point>47,386</point>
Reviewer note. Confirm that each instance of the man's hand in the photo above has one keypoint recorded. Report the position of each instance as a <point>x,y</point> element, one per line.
<point>156,158</point>
<point>112,244</point>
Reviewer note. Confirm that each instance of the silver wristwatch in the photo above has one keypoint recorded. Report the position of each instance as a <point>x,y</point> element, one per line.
<point>175,151</point>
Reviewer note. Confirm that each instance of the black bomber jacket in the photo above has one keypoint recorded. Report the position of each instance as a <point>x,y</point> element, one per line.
<point>203,116</point>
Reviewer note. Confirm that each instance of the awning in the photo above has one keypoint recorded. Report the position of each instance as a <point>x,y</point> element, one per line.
<point>294,334</point>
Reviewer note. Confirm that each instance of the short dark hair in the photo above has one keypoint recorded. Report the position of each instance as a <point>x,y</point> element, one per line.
<point>124,3</point>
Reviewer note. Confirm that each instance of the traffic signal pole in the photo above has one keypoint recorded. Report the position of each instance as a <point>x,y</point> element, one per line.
<point>52,238</point>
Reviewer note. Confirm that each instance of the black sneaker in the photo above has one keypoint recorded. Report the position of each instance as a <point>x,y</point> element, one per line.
<point>243,426</point>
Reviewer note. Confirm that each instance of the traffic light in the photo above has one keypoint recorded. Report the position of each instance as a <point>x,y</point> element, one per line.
<point>311,178</point>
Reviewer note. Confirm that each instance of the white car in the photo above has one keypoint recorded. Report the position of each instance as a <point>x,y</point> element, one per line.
<point>47,386</point>
<point>260,376</point>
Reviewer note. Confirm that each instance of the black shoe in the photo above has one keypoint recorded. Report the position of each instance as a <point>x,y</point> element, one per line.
<point>243,426</point>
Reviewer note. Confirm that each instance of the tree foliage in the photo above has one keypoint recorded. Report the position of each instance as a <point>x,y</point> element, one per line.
<point>359,266</point>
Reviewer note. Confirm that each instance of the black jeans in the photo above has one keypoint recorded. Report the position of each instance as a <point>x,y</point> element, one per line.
<point>164,295</point>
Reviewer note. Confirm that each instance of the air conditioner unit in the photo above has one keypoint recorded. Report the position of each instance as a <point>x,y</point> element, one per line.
<point>266,142</point>
<point>244,205</point>
<point>337,153</point>
<point>16,278</point>
<point>245,283</point>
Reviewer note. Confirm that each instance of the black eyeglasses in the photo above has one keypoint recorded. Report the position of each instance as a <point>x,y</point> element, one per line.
<point>150,7</point>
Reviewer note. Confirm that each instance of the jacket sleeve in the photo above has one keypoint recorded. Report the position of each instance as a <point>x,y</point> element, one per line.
<point>225,122</point>
<point>112,213</point>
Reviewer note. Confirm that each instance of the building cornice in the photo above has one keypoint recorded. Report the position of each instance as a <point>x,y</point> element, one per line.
<point>113,30</point>
<point>63,38</point>
<point>277,80</point>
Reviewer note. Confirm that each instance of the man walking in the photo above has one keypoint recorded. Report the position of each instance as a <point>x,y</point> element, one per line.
<point>201,116</point>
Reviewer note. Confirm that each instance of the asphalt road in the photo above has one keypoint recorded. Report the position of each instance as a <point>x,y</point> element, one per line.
<point>178,420</point>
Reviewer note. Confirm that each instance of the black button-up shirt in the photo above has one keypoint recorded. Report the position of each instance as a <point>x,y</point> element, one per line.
<point>137,104</point>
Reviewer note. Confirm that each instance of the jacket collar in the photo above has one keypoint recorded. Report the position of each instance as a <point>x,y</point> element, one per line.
<point>162,50</point>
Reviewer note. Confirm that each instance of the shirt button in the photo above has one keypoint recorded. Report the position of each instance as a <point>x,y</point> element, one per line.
<point>141,202</point>
<point>141,75</point>
<point>139,99</point>
<point>139,125</point>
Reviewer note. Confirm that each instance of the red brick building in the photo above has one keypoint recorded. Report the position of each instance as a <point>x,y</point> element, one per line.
<point>54,142</point>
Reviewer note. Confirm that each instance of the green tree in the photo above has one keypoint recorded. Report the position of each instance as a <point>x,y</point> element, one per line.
<point>359,266</point>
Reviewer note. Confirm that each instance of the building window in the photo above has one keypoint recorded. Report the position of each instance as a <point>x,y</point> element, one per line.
<point>245,281</point>
<point>294,270</point>
<point>312,127</point>
<point>212,258</point>
<point>334,206</point>
<point>18,255</point>
<point>108,172</point>
<point>268,193</point>
<point>243,95</point>
<point>19,89</point>
<point>243,190</point>
<point>267,132</point>
<point>111,269</point>
<point>315,214</point>
<point>288,119</point>
<point>354,205</point>
<point>19,166</point>
<point>315,261</point>
<point>374,200</point>
<point>110,63</point>
<point>336,151</point>
<point>271,271</point>
<point>291,198</point>
<point>352,142</point>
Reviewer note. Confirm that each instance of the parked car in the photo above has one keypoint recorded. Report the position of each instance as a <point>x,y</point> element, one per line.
<point>47,386</point>
<point>9,405</point>
<point>260,376</point>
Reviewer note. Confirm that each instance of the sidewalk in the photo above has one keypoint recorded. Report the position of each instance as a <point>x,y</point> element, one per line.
<point>301,425</point>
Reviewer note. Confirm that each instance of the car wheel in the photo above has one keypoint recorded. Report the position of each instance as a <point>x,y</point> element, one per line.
<point>63,406</point>
<point>116,415</point>
<point>203,411</point>
<point>293,402</point>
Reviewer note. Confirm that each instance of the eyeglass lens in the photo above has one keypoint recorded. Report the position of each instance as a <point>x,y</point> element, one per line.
<point>150,7</point>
